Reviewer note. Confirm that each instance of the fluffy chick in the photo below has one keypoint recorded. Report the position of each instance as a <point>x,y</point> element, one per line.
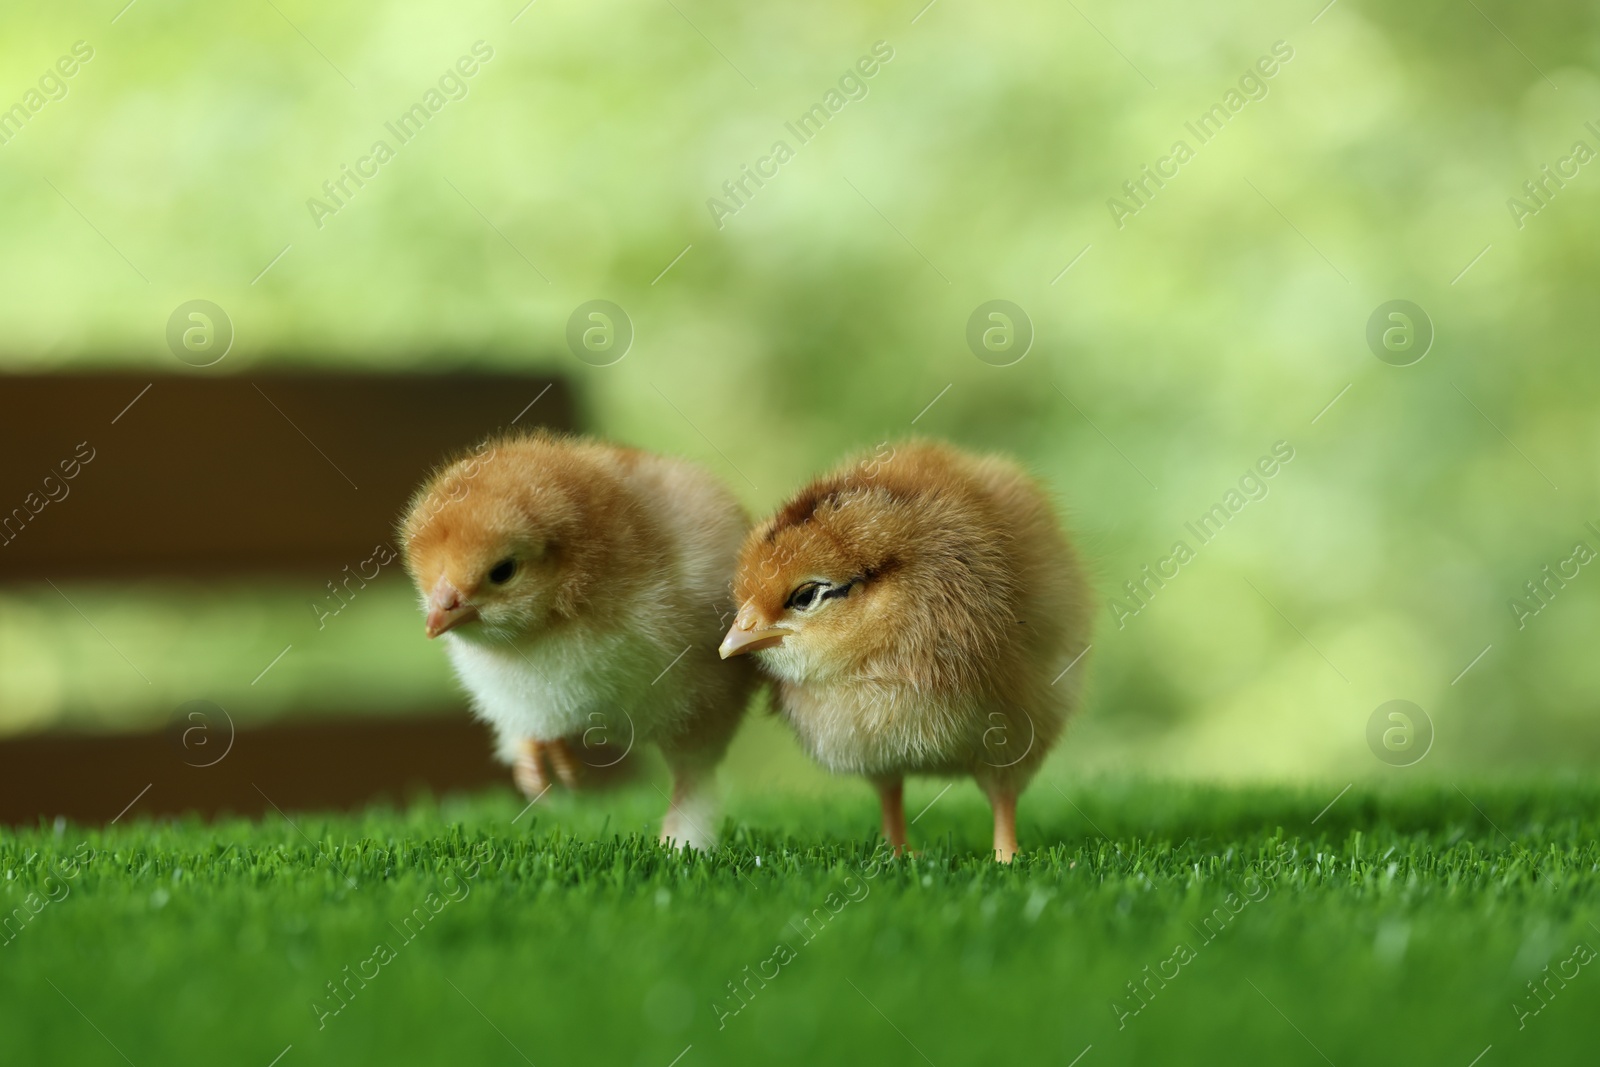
<point>579,589</point>
<point>919,608</point>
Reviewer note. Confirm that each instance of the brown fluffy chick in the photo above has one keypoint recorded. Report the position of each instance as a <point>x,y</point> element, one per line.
<point>579,589</point>
<point>920,611</point>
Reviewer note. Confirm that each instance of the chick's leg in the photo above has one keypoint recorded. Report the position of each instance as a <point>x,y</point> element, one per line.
<point>691,814</point>
<point>528,770</point>
<point>693,756</point>
<point>1004,802</point>
<point>563,762</point>
<point>892,798</point>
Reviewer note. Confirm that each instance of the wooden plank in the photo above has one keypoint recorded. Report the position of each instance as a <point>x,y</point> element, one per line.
<point>121,475</point>
<point>300,765</point>
<point>90,778</point>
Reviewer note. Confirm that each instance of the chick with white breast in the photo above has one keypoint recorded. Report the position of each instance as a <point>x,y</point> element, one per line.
<point>579,588</point>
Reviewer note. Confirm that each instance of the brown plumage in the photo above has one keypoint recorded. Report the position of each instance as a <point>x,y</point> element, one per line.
<point>579,588</point>
<point>919,608</point>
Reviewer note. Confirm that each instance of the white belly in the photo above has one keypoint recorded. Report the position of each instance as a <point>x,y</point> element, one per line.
<point>597,687</point>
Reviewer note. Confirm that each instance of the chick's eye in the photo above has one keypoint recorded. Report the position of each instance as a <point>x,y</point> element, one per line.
<point>501,572</point>
<point>804,596</point>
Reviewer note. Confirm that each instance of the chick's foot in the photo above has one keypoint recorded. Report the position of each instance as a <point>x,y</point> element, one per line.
<point>529,770</point>
<point>566,766</point>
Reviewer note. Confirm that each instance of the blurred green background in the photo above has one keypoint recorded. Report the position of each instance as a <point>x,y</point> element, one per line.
<point>830,313</point>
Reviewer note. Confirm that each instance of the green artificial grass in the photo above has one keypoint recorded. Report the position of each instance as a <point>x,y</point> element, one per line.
<point>1145,923</point>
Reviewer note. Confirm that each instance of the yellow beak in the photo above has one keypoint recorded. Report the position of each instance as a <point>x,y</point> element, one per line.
<point>745,636</point>
<point>446,609</point>
<point>740,641</point>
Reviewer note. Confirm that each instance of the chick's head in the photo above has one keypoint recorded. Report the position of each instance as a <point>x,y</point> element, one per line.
<point>485,544</point>
<point>820,585</point>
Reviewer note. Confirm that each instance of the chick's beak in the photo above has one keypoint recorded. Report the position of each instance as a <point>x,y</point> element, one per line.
<point>746,636</point>
<point>446,610</point>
